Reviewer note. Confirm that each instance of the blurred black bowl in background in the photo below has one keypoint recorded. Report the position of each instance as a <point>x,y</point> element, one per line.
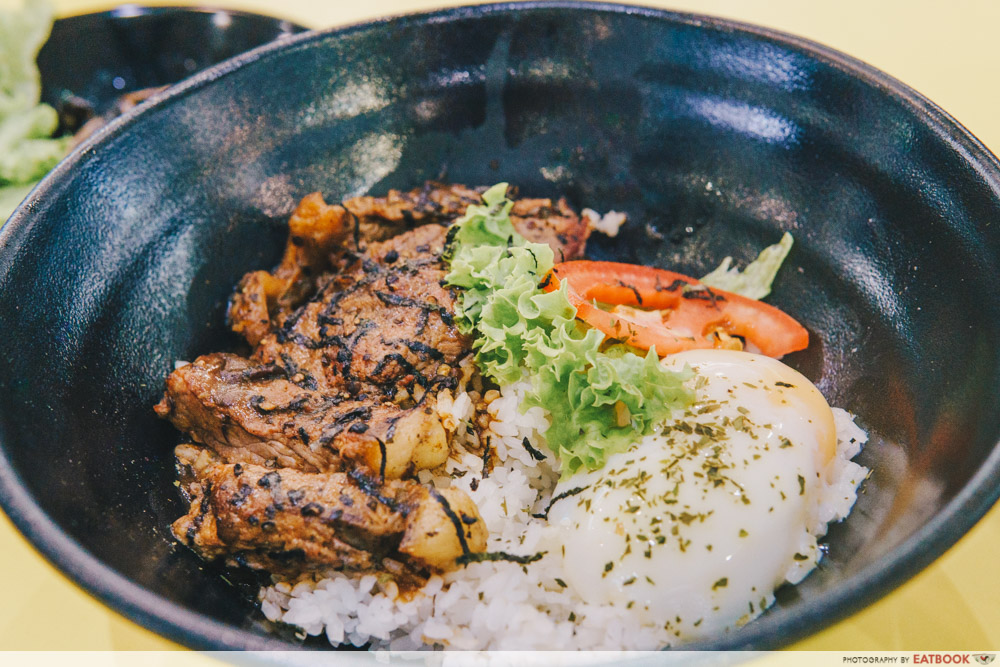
<point>91,60</point>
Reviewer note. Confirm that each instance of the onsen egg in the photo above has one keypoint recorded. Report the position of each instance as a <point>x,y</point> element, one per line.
<point>695,526</point>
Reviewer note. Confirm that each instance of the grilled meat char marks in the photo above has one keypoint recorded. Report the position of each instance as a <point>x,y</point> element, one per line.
<point>353,338</point>
<point>273,422</point>
<point>287,520</point>
<point>319,232</point>
<point>222,401</point>
<point>541,221</point>
<point>322,392</point>
<point>379,325</point>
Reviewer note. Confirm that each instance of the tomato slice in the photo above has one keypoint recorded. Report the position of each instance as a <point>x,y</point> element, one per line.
<point>673,312</point>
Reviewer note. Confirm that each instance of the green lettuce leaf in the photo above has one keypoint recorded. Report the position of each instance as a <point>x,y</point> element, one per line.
<point>520,328</point>
<point>22,33</point>
<point>27,151</point>
<point>754,281</point>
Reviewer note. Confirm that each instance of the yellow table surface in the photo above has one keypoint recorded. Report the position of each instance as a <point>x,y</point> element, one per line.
<point>945,50</point>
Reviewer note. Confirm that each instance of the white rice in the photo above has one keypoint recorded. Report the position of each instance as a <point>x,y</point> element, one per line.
<point>504,605</point>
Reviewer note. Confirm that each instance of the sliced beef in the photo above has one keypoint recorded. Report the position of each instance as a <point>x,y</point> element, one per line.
<point>309,442</point>
<point>541,221</point>
<point>288,521</point>
<point>315,230</point>
<point>318,232</point>
<point>380,218</point>
<point>348,379</point>
<point>256,414</point>
<point>383,324</point>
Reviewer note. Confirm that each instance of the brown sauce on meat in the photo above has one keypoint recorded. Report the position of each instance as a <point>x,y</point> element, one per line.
<point>307,449</point>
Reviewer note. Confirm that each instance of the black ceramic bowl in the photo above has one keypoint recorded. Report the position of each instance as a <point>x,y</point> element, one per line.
<point>713,136</point>
<point>92,59</point>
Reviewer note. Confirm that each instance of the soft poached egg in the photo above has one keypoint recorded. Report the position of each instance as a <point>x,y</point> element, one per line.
<point>696,525</point>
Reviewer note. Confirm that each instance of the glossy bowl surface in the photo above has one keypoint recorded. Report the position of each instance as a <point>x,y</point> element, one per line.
<point>714,137</point>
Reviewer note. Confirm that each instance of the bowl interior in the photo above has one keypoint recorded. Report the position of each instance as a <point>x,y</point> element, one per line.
<point>714,139</point>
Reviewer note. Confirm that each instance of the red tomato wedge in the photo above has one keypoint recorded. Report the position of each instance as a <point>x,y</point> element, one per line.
<point>653,307</point>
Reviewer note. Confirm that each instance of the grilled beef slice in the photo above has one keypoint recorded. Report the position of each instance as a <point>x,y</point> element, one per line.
<point>352,338</point>
<point>349,379</point>
<point>250,413</point>
<point>318,231</point>
<point>289,521</point>
<point>381,324</point>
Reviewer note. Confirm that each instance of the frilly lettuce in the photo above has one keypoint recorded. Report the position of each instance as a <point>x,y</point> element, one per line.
<point>599,401</point>
<point>27,151</point>
<point>754,281</point>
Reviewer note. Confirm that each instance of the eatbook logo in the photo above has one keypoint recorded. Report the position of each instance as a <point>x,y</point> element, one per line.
<point>984,658</point>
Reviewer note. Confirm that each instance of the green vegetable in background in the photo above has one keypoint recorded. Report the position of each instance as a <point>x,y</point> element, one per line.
<point>599,401</point>
<point>753,282</point>
<point>27,151</point>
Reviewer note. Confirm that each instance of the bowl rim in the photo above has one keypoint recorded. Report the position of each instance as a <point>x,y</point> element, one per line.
<point>140,10</point>
<point>198,631</point>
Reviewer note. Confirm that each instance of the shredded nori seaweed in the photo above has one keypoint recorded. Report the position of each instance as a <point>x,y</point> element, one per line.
<point>499,556</point>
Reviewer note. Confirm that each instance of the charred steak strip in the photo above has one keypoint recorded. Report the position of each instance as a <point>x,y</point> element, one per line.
<point>276,423</point>
<point>377,326</point>
<point>309,440</point>
<point>318,231</point>
<point>290,520</point>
